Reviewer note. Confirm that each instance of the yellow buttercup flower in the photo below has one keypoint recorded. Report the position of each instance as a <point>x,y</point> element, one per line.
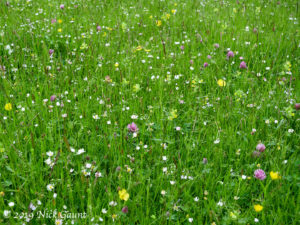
<point>258,208</point>
<point>123,194</point>
<point>59,30</point>
<point>139,48</point>
<point>173,11</point>
<point>221,83</point>
<point>8,107</point>
<point>59,21</point>
<point>158,23</point>
<point>275,175</point>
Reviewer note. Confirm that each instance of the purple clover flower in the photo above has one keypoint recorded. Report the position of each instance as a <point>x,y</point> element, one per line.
<point>260,147</point>
<point>132,127</point>
<point>260,174</point>
<point>243,65</point>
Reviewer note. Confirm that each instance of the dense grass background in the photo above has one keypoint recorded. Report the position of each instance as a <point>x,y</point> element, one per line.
<point>118,62</point>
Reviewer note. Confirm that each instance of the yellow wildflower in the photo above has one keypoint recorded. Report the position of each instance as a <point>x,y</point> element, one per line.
<point>8,107</point>
<point>158,23</point>
<point>123,195</point>
<point>129,170</point>
<point>59,21</point>
<point>258,208</point>
<point>139,48</point>
<point>275,175</point>
<point>173,11</point>
<point>59,30</point>
<point>221,83</point>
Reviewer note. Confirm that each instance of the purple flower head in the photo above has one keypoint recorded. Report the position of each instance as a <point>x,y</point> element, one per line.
<point>216,45</point>
<point>62,6</point>
<point>209,56</point>
<point>205,64</point>
<point>125,209</point>
<point>182,47</point>
<point>51,51</point>
<point>297,106</point>
<point>53,20</point>
<point>98,28</point>
<point>132,127</point>
<point>118,168</point>
<point>243,65</point>
<point>254,30</point>
<point>260,174</point>
<point>191,62</point>
<point>241,58</point>
<point>260,147</point>
<point>230,54</point>
<point>52,98</point>
<point>204,161</point>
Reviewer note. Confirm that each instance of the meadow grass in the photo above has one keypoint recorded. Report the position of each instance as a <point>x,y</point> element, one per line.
<point>149,112</point>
